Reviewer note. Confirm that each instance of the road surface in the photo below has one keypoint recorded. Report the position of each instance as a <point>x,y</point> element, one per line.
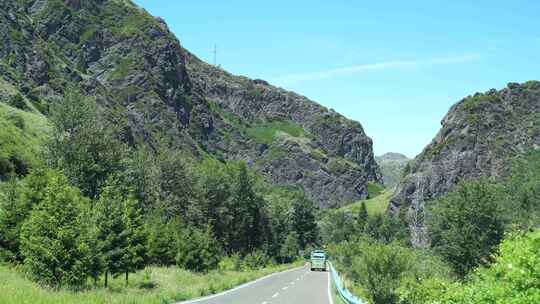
<point>297,286</point>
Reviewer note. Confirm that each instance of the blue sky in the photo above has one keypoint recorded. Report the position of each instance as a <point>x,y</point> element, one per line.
<point>395,66</point>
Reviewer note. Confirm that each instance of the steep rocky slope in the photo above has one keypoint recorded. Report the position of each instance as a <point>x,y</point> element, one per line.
<point>392,165</point>
<point>155,89</point>
<point>478,137</point>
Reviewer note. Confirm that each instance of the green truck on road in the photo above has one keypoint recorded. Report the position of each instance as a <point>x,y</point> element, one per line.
<point>318,260</point>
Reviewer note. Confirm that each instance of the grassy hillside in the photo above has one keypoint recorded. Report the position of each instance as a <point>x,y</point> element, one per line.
<point>21,137</point>
<point>152,285</point>
<point>375,205</point>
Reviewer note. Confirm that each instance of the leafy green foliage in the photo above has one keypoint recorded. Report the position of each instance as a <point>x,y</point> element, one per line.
<point>51,238</point>
<point>198,250</point>
<point>467,225</point>
<point>135,253</point>
<point>522,189</point>
<point>84,146</point>
<point>363,216</point>
<point>17,101</point>
<point>377,270</point>
<point>112,231</point>
<point>162,241</point>
<point>514,277</point>
<point>304,222</point>
<point>17,198</point>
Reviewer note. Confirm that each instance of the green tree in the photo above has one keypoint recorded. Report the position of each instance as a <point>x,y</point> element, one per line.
<point>467,225</point>
<point>17,101</point>
<point>198,250</point>
<point>214,188</point>
<point>304,222</point>
<point>136,236</point>
<point>289,249</point>
<point>83,144</point>
<point>362,217</point>
<point>176,186</point>
<point>52,237</point>
<point>17,198</point>
<point>163,241</point>
<point>12,216</point>
<point>522,188</point>
<point>111,229</point>
<point>337,226</point>
<point>245,214</point>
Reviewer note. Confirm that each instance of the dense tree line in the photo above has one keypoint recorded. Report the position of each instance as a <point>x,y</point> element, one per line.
<point>465,229</point>
<point>101,207</point>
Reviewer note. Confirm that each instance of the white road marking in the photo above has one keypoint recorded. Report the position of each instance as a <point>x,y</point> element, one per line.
<point>330,299</point>
<point>284,288</point>
<point>237,288</point>
<point>264,302</point>
<point>275,295</point>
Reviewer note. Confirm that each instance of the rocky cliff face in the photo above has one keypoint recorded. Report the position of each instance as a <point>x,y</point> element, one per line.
<point>478,136</point>
<point>154,88</point>
<point>392,166</point>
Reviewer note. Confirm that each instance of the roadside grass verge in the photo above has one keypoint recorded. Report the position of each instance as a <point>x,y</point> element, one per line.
<point>157,285</point>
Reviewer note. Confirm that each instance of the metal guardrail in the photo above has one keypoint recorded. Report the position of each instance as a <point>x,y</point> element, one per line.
<point>344,294</point>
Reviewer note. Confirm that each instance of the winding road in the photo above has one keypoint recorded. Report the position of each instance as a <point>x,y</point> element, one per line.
<point>296,286</point>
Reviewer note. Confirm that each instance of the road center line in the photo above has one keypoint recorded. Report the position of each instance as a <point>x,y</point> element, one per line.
<point>284,288</point>
<point>275,295</point>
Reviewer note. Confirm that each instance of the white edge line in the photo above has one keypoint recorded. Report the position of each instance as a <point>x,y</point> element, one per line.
<point>330,298</point>
<point>239,287</point>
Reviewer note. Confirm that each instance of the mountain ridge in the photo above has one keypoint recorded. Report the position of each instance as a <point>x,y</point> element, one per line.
<point>479,137</point>
<point>147,82</point>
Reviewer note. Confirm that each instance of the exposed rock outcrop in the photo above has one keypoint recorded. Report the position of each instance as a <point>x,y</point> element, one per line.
<point>144,79</point>
<point>478,137</point>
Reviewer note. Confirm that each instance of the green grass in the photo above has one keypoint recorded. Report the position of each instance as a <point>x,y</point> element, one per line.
<point>266,133</point>
<point>152,285</point>
<point>22,135</point>
<point>374,190</point>
<point>376,205</point>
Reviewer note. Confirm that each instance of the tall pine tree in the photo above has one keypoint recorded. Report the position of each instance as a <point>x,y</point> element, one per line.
<point>111,229</point>
<point>53,238</point>
<point>136,237</point>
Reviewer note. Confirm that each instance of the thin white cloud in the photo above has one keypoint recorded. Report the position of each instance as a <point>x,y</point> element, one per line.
<point>302,77</point>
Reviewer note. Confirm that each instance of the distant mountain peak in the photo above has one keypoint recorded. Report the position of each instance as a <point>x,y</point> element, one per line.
<point>392,156</point>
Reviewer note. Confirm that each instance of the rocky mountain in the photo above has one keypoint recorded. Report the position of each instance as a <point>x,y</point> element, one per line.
<point>477,138</point>
<point>155,89</point>
<point>392,165</point>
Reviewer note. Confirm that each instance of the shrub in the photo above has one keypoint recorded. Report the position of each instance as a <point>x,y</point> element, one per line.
<point>230,263</point>
<point>380,270</point>
<point>255,260</point>
<point>514,277</point>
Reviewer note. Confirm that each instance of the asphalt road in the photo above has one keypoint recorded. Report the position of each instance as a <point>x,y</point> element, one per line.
<point>297,286</point>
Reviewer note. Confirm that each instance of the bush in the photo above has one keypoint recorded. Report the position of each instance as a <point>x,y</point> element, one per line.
<point>514,277</point>
<point>230,263</point>
<point>378,270</point>
<point>255,260</point>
